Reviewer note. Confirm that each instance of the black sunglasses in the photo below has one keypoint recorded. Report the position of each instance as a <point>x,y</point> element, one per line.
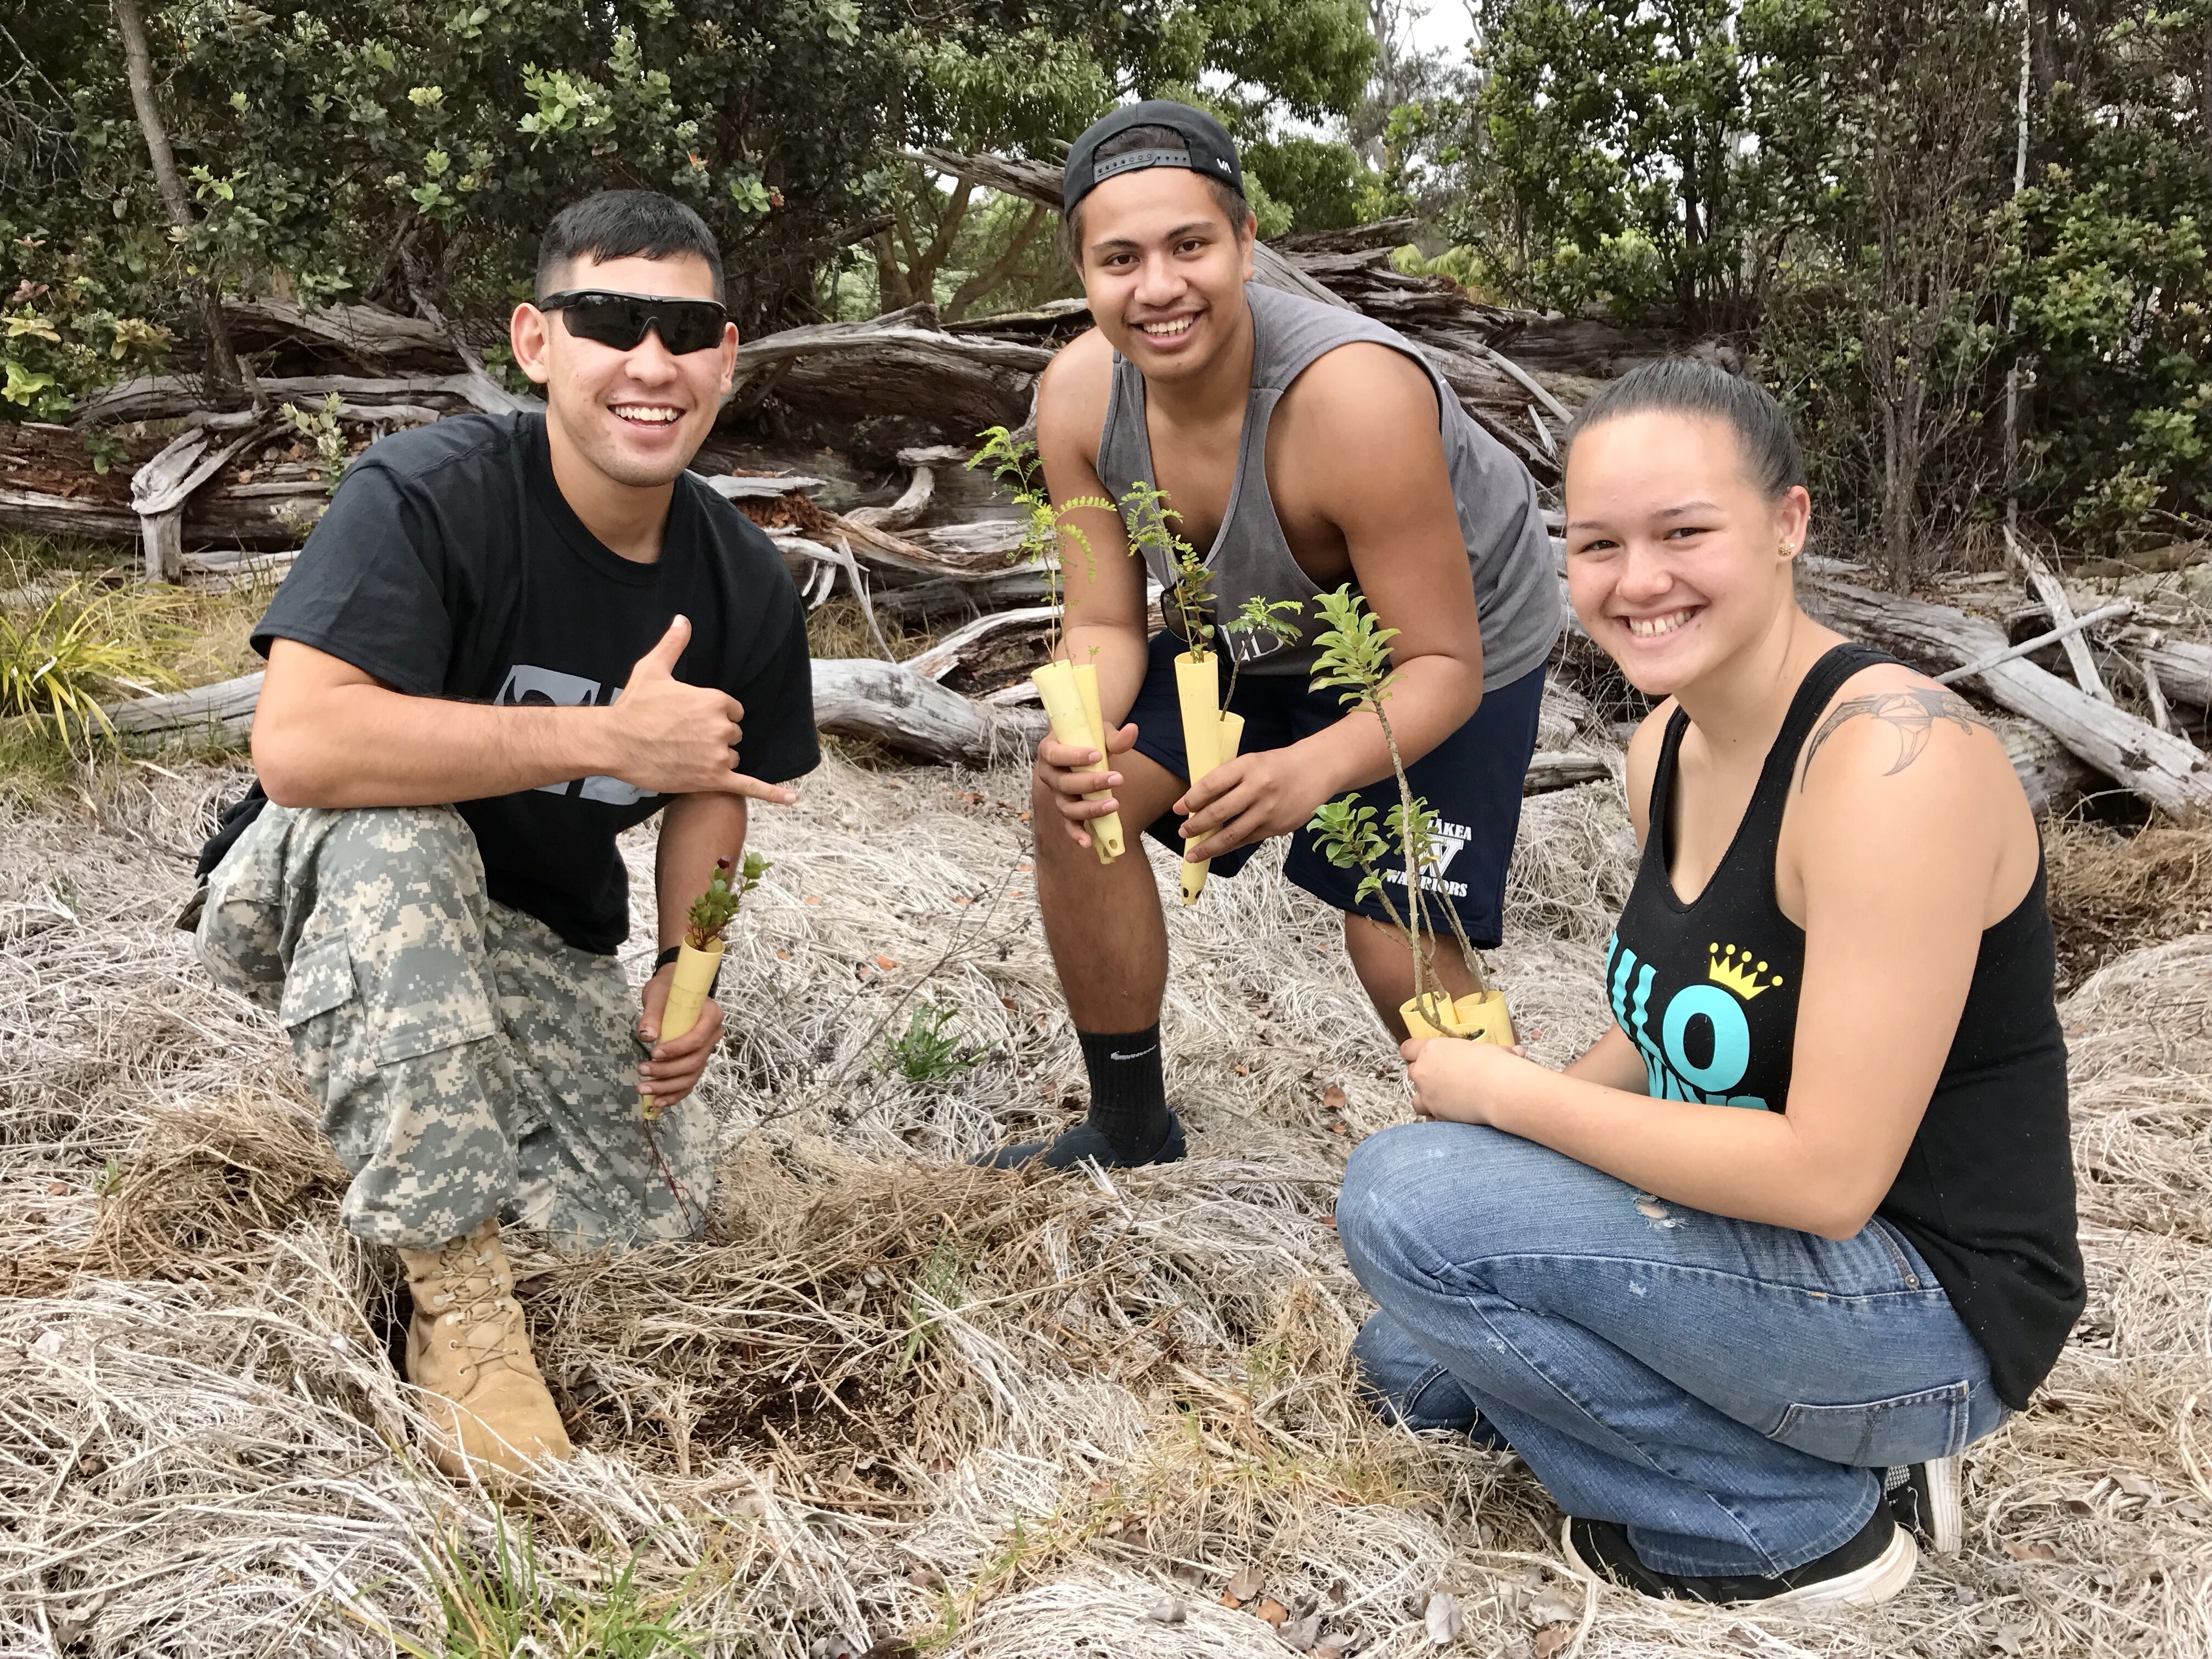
<point>621,320</point>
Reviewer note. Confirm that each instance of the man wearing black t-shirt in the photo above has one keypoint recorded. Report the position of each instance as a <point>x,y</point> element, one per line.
<point>510,639</point>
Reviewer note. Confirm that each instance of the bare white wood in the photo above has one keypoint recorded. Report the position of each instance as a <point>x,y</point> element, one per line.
<point>2065,633</point>
<point>2052,593</point>
<point>948,653</point>
<point>2165,769</point>
<point>859,698</point>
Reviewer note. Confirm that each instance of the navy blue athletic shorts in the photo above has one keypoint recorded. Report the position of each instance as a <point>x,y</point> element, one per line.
<point>1471,780</point>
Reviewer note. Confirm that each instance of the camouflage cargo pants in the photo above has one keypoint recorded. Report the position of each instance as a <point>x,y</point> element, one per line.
<point>468,1061</point>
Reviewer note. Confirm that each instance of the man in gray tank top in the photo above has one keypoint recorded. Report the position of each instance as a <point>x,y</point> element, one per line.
<point>1300,446</point>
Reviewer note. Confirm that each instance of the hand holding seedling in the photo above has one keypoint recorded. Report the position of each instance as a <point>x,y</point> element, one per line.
<point>680,740</point>
<point>1459,1082</point>
<point>674,1067</point>
<point>1249,799</point>
<point>1057,765</point>
<point>694,1024</point>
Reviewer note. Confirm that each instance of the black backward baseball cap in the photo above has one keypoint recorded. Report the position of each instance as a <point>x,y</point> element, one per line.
<point>1209,149</point>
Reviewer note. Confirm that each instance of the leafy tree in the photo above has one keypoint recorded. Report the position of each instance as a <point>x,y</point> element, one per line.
<point>1028,90</point>
<point>405,150</point>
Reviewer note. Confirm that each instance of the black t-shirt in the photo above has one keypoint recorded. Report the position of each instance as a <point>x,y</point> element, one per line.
<point>449,565</point>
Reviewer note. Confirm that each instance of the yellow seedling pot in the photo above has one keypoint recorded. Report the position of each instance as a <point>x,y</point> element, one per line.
<point>1228,735</point>
<point>1071,704</point>
<point>1197,695</point>
<point>695,978</point>
<point>1479,1015</point>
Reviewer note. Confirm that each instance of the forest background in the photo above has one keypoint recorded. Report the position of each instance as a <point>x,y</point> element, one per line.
<point>1966,241</point>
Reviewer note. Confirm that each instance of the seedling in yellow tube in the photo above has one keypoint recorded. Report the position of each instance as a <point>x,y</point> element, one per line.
<point>1208,736</point>
<point>699,953</point>
<point>1354,656</point>
<point>1068,689</point>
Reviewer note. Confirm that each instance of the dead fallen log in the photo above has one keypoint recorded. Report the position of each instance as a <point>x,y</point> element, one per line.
<point>2184,667</point>
<point>164,397</point>
<point>2055,778</point>
<point>890,704</point>
<point>2165,769</point>
<point>853,697</point>
<point>160,489</point>
<point>2067,633</point>
<point>225,708</point>
<point>369,336</point>
<point>953,384</point>
<point>1550,769</point>
<point>43,514</point>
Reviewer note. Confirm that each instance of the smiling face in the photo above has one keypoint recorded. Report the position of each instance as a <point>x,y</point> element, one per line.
<point>636,416</point>
<point>1164,271</point>
<point>1677,560</point>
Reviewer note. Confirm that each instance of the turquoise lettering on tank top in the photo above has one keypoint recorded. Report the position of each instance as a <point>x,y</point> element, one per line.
<point>1669,1073</point>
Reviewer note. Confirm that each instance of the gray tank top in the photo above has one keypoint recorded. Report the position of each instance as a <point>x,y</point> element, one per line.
<point>1515,592</point>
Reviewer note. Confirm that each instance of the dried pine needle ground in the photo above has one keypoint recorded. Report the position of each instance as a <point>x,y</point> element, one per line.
<point>891,1396</point>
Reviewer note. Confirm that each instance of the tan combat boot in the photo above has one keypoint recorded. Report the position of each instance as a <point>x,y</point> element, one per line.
<point>468,1351</point>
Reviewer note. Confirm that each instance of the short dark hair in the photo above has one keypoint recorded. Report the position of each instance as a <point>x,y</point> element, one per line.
<point>1229,200</point>
<point>1690,385</point>
<point>620,224</point>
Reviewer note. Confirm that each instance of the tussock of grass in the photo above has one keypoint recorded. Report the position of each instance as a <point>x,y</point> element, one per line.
<point>2112,893</point>
<point>996,1415</point>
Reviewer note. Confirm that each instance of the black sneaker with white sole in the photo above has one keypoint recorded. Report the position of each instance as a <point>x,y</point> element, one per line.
<point>1086,1141</point>
<point>1925,1499</point>
<point>1871,1567</point>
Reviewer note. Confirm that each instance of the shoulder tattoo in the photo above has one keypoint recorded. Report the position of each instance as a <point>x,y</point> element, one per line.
<point>1911,714</point>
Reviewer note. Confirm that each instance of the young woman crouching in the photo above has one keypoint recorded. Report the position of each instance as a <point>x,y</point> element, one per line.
<point>1805,1214</point>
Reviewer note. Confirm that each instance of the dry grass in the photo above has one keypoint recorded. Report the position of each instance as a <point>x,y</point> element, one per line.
<point>996,1415</point>
<point>2112,893</point>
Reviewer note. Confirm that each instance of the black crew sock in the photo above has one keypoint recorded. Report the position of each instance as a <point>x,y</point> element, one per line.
<point>1129,1089</point>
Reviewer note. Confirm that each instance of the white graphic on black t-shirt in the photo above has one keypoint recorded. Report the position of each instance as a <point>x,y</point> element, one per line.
<point>527,683</point>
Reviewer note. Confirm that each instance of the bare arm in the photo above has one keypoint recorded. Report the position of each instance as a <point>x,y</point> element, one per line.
<point>695,831</point>
<point>326,733</point>
<point>1900,871</point>
<point>1103,585</point>
<point>1361,425</point>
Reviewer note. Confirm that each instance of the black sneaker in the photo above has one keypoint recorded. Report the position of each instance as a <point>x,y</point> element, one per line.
<point>1924,1497</point>
<point>1084,1141</point>
<point>1872,1566</point>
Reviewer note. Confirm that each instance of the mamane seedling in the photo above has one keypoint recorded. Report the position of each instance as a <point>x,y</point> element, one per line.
<point>1354,658</point>
<point>699,953</point>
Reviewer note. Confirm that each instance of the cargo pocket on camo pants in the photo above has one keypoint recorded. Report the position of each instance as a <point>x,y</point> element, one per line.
<point>1905,1428</point>
<point>318,988</point>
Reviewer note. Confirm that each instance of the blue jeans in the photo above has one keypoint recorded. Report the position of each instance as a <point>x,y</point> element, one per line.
<point>1725,1390</point>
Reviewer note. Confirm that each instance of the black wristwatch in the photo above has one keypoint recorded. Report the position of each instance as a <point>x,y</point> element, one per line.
<point>674,952</point>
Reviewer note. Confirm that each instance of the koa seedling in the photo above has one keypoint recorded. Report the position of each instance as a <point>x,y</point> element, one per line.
<point>1068,689</point>
<point>699,953</point>
<point>1354,660</point>
<point>1211,732</point>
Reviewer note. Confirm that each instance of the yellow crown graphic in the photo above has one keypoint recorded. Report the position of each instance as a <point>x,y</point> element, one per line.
<point>1735,969</point>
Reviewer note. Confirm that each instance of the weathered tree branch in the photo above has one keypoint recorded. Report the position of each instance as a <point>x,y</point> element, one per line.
<point>225,378</point>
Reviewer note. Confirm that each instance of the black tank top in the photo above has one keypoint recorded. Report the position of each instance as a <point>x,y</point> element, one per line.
<point>1708,992</point>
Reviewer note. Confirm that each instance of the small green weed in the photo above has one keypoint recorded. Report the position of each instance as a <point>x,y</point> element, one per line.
<point>942,1287</point>
<point>106,448</point>
<point>321,428</point>
<point>927,1052</point>
<point>502,1602</point>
